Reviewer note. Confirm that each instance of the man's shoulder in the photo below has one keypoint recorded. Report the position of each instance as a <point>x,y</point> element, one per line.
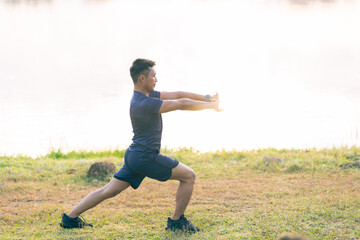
<point>155,94</point>
<point>145,104</point>
<point>138,97</point>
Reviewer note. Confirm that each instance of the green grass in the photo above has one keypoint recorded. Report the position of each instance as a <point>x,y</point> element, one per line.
<point>258,194</point>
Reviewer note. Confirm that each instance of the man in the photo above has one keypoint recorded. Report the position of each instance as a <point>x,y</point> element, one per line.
<point>142,158</point>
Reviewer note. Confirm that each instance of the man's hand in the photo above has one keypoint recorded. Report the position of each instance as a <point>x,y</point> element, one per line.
<point>215,98</point>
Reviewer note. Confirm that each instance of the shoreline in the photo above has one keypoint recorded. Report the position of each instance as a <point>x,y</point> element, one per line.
<point>59,153</point>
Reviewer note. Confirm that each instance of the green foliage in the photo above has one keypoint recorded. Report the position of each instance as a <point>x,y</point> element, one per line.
<point>82,154</point>
<point>207,165</point>
<point>294,168</point>
<point>349,160</point>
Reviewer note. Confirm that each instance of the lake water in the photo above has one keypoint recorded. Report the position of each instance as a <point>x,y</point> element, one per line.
<point>287,72</point>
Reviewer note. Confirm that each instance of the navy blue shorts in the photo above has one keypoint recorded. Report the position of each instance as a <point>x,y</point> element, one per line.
<point>139,165</point>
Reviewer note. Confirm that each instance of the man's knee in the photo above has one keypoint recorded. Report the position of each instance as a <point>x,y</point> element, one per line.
<point>183,173</point>
<point>190,176</point>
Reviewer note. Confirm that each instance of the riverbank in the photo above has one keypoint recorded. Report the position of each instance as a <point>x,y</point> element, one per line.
<point>257,194</point>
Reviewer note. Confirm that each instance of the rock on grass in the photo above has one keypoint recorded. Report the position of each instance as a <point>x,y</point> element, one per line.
<point>101,169</point>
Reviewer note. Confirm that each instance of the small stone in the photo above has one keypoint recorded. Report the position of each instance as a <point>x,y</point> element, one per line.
<point>71,171</point>
<point>268,160</point>
<point>355,164</point>
<point>101,169</point>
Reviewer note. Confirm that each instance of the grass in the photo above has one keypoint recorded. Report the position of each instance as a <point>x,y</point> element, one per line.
<point>257,194</point>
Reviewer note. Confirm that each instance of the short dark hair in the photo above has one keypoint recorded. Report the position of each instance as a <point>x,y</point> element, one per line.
<point>140,66</point>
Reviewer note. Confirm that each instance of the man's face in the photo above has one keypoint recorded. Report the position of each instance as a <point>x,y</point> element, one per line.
<point>151,80</point>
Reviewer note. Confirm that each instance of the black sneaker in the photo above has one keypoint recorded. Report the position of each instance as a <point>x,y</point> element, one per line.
<point>181,224</point>
<point>68,222</point>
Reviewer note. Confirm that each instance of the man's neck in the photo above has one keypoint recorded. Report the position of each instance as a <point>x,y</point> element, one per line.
<point>142,90</point>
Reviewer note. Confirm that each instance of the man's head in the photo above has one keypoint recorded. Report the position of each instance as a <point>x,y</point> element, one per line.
<point>141,67</point>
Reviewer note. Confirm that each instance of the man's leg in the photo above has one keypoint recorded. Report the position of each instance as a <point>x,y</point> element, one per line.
<point>113,188</point>
<point>186,176</point>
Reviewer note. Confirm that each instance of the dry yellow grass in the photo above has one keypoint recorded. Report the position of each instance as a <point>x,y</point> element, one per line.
<point>247,205</point>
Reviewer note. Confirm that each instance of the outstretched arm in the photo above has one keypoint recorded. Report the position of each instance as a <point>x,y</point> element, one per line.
<point>179,95</point>
<point>189,104</point>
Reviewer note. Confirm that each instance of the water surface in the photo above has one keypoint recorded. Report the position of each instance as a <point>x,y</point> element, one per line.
<point>287,72</point>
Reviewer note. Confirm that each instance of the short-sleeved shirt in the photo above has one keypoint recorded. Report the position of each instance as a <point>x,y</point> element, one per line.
<point>146,122</point>
<point>143,159</point>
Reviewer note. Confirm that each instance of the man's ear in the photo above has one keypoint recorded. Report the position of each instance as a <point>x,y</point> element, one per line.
<point>141,78</point>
